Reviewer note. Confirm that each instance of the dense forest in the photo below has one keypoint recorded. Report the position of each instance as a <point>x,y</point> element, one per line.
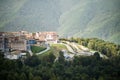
<point>80,68</point>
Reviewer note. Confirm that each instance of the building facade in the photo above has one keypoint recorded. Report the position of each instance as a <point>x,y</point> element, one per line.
<point>49,37</point>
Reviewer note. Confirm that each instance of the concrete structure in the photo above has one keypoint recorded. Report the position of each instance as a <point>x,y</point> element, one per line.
<point>22,55</point>
<point>11,56</point>
<point>15,56</point>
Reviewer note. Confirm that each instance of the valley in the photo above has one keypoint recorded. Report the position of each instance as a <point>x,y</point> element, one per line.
<point>60,39</point>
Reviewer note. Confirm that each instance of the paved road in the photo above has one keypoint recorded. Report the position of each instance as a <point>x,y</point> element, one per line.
<point>86,51</point>
<point>30,52</point>
<point>76,47</point>
<point>69,48</point>
<point>48,48</point>
<point>81,50</point>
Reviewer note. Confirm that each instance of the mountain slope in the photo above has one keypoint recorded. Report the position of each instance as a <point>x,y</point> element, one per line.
<point>96,18</point>
<point>79,18</point>
<point>33,15</point>
<point>8,10</point>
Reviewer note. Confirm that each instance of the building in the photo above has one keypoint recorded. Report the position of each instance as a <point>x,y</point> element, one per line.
<point>26,34</point>
<point>11,41</point>
<point>1,41</point>
<point>4,42</point>
<point>49,37</point>
<point>23,40</point>
<point>18,44</point>
<point>29,43</point>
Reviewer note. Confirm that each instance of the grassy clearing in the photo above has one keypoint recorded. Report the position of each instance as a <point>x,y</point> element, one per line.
<point>45,54</point>
<point>37,49</point>
<point>54,48</point>
<point>59,46</point>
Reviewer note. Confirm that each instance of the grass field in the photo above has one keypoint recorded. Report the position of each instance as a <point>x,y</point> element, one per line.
<point>55,49</point>
<point>37,49</point>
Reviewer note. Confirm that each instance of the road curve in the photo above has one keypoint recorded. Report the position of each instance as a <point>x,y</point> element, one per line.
<point>48,48</point>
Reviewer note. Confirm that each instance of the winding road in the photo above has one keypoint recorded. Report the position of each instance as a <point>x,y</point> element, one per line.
<point>69,48</point>
<point>48,48</point>
<point>80,50</point>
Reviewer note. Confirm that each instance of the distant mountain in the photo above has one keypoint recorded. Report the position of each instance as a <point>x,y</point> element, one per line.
<point>92,18</point>
<point>32,15</point>
<point>78,18</point>
<point>8,10</point>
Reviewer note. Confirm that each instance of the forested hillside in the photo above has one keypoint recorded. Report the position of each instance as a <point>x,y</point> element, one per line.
<point>96,18</point>
<point>46,67</point>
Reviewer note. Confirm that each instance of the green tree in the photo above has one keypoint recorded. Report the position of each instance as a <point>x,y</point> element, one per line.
<point>51,57</point>
<point>97,55</point>
<point>61,57</point>
<point>37,78</point>
<point>23,76</point>
<point>84,76</point>
<point>101,78</point>
<point>32,61</point>
<point>30,76</point>
<point>10,77</point>
<point>53,77</point>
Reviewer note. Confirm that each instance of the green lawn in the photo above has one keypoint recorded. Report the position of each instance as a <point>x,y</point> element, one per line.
<point>59,46</point>
<point>54,48</point>
<point>37,49</point>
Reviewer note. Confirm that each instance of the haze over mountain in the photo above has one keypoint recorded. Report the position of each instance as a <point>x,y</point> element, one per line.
<point>32,15</point>
<point>93,18</point>
<point>79,18</point>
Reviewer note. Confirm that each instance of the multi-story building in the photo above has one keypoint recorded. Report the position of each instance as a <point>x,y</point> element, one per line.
<point>12,41</point>
<point>18,44</point>
<point>4,42</point>
<point>1,42</point>
<point>22,40</point>
<point>49,37</point>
